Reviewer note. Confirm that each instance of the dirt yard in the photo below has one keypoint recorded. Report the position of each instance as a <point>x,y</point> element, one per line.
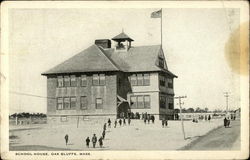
<point>137,136</point>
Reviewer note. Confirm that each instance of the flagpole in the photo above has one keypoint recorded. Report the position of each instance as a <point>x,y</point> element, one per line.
<point>161,27</point>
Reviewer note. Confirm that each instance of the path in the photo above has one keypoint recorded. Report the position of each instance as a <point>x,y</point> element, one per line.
<point>219,139</point>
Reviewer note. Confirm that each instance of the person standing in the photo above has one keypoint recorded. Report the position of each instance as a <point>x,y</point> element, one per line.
<point>87,142</point>
<point>228,122</point>
<point>115,123</point>
<point>94,139</point>
<point>103,134</point>
<point>162,123</point>
<point>166,122</point>
<point>124,121</point>
<point>109,123</point>
<point>129,120</point>
<point>120,122</point>
<point>225,122</point>
<point>209,117</point>
<point>148,118</point>
<point>153,119</point>
<point>145,119</point>
<point>66,139</point>
<point>100,142</point>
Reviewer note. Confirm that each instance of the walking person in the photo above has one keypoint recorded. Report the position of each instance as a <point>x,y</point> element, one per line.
<point>100,142</point>
<point>66,139</point>
<point>94,139</point>
<point>104,127</point>
<point>120,122</point>
<point>145,119</point>
<point>115,123</point>
<point>109,123</point>
<point>103,134</point>
<point>87,142</point>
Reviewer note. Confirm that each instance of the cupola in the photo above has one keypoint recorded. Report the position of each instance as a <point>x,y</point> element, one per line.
<point>123,42</point>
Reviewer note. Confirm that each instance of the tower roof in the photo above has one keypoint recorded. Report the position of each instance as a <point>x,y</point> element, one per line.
<point>122,36</point>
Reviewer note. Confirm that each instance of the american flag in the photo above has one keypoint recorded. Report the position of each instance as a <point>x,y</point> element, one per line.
<point>156,14</point>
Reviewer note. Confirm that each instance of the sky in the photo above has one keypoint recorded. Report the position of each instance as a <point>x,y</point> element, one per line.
<point>193,43</point>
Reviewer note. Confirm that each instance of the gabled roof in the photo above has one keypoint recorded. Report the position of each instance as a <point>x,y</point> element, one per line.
<point>91,59</point>
<point>122,36</point>
<point>97,59</point>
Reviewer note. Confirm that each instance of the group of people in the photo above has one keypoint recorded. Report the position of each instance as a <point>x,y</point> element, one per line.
<point>121,122</point>
<point>147,118</point>
<point>94,140</point>
<point>164,123</point>
<point>201,117</point>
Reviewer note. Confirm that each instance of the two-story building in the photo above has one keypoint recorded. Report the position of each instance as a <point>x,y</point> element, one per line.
<point>106,81</point>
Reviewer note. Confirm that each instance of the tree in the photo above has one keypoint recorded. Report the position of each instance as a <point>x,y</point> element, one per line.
<point>176,110</point>
<point>197,109</point>
<point>206,109</point>
<point>190,110</point>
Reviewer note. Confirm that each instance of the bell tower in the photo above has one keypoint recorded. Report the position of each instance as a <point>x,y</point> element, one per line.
<point>122,42</point>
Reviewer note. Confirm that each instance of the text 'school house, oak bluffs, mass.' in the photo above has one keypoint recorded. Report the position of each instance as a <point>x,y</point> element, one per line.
<point>110,82</point>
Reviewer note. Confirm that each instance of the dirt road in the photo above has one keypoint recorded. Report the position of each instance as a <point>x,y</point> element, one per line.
<point>219,139</point>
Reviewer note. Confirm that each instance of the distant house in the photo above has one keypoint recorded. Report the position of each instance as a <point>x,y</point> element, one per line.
<point>105,81</point>
<point>237,112</point>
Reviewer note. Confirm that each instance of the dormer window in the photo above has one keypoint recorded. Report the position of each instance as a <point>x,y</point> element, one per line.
<point>161,62</point>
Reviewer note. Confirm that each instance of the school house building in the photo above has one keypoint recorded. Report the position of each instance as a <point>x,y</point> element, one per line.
<point>111,81</point>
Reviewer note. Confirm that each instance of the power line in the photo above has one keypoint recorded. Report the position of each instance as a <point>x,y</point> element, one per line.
<point>182,124</point>
<point>31,95</point>
<point>226,94</point>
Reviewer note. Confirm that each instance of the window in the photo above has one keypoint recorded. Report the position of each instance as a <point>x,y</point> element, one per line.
<point>170,103</point>
<point>162,102</point>
<point>133,80</point>
<point>64,119</point>
<point>146,101</point>
<point>66,103</point>
<point>170,83</point>
<point>83,80</point>
<point>66,81</point>
<point>99,104</point>
<point>99,79</point>
<point>162,80</point>
<point>73,102</point>
<point>102,79</point>
<point>59,103</point>
<point>60,81</point>
<point>146,80</point>
<point>84,102</point>
<point>161,62</point>
<point>140,103</point>
<point>95,79</point>
<point>73,80</point>
<point>139,80</point>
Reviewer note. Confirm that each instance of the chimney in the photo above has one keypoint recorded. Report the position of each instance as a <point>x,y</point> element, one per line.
<point>104,43</point>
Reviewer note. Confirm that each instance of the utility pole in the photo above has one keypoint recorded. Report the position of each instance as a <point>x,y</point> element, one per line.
<point>182,124</point>
<point>226,94</point>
